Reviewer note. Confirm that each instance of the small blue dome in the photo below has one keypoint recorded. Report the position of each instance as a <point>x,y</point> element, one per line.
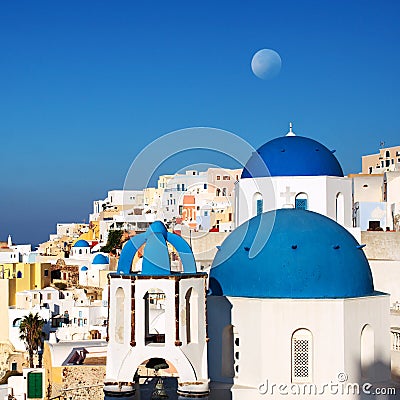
<point>292,156</point>
<point>100,259</point>
<point>306,255</point>
<point>84,268</point>
<point>81,243</point>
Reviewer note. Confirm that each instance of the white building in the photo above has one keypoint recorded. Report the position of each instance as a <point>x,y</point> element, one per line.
<point>294,172</point>
<point>116,201</point>
<point>80,250</point>
<point>377,201</point>
<point>30,385</point>
<point>293,303</point>
<point>72,229</point>
<point>15,253</point>
<point>15,316</point>
<point>391,188</point>
<point>155,311</point>
<point>90,275</point>
<point>85,322</point>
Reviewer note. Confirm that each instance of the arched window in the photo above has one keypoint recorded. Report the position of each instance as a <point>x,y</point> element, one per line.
<point>155,302</point>
<point>340,208</point>
<point>16,322</point>
<point>119,315</point>
<point>367,351</point>
<point>228,359</point>
<point>258,204</point>
<point>19,274</point>
<point>80,251</point>
<point>301,201</point>
<point>191,299</point>
<point>302,356</point>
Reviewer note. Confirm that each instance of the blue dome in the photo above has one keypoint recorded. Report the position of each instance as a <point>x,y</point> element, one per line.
<point>81,243</point>
<point>100,259</point>
<point>306,255</point>
<point>84,268</point>
<point>292,156</point>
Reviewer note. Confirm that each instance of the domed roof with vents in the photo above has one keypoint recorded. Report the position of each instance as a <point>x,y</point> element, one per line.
<point>292,155</point>
<point>81,243</point>
<point>291,253</point>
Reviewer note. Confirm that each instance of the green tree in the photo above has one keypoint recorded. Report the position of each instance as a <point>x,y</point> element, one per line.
<point>113,242</point>
<point>31,333</point>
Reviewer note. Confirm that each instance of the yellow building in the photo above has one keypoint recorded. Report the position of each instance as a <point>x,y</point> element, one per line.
<point>388,159</point>
<point>15,278</point>
<point>92,234</point>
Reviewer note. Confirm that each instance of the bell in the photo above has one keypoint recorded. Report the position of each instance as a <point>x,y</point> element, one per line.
<point>159,391</point>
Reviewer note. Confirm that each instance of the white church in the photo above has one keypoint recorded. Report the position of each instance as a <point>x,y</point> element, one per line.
<point>291,304</point>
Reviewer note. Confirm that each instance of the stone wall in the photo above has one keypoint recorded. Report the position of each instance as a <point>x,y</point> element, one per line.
<point>204,245</point>
<point>82,382</point>
<point>381,245</point>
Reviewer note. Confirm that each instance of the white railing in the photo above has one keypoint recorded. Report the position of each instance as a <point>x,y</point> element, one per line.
<point>395,338</point>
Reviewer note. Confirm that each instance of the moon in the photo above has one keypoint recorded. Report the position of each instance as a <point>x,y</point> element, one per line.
<point>266,64</point>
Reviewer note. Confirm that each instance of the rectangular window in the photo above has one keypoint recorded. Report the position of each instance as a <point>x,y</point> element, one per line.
<point>46,272</point>
<point>302,356</point>
<point>48,296</point>
<point>301,204</point>
<point>14,366</point>
<point>226,178</point>
<point>301,359</point>
<point>218,178</point>
<point>205,186</point>
<point>80,314</point>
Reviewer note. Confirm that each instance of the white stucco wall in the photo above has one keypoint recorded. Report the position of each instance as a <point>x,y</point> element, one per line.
<point>265,340</point>
<point>190,359</point>
<point>280,192</point>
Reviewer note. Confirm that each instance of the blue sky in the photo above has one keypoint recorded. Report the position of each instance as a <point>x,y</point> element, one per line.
<point>86,85</point>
